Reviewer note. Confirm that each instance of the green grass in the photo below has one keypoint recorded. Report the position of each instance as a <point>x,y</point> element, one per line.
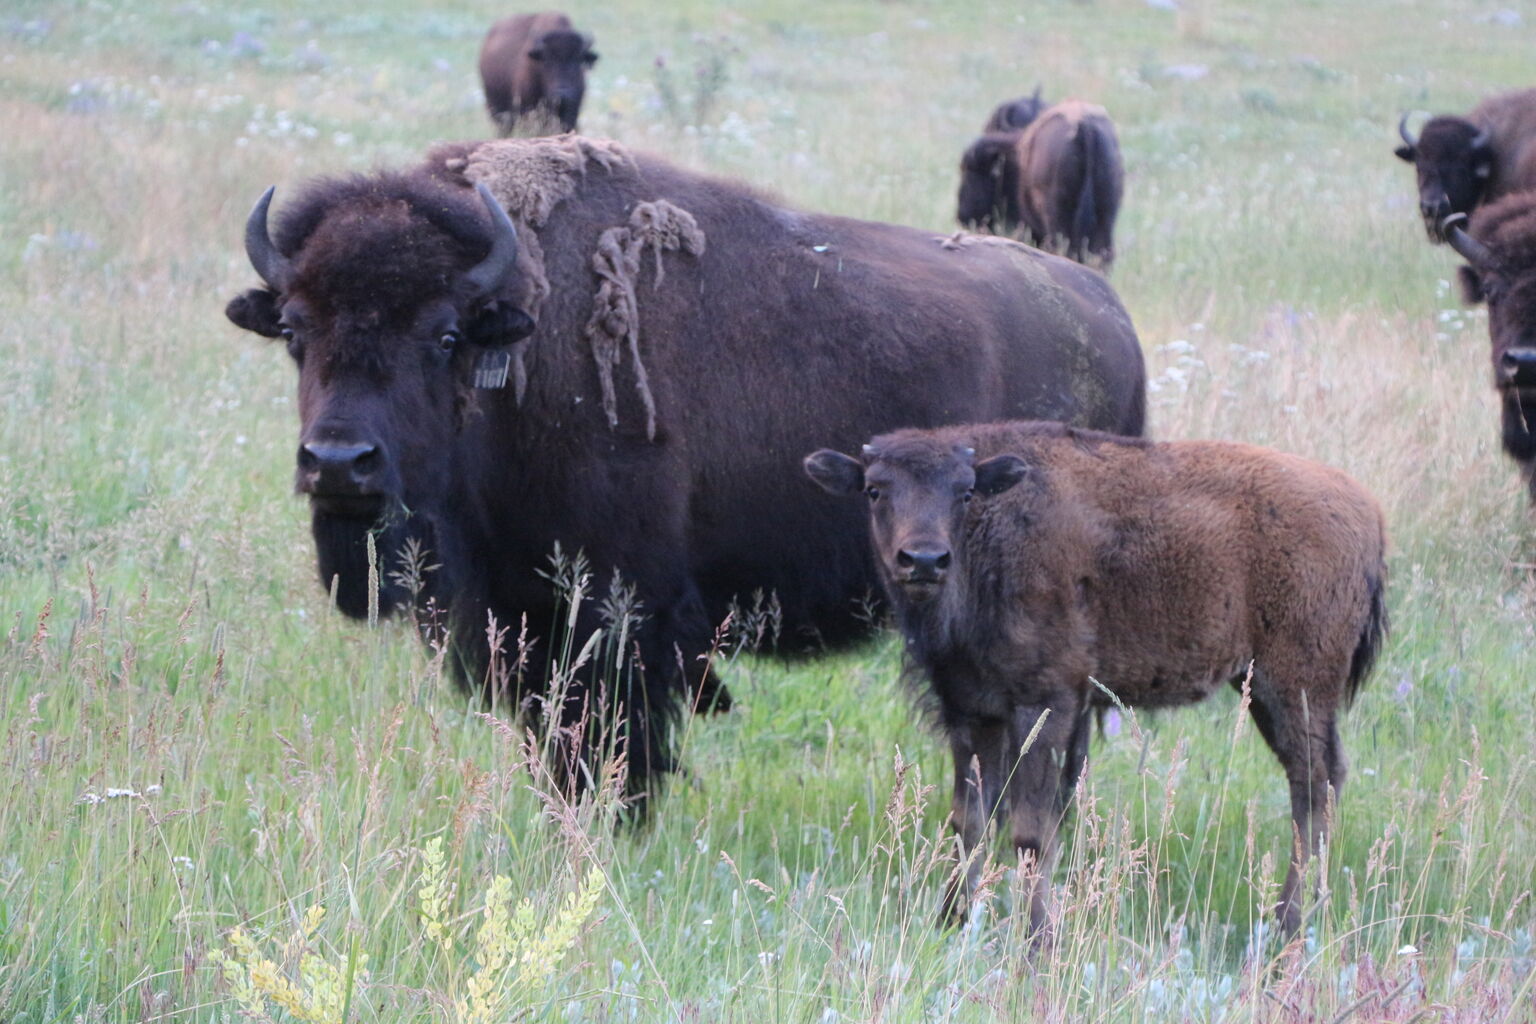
<point>163,639</point>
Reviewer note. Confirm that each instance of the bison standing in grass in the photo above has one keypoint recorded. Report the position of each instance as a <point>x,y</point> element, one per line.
<point>1501,252</point>
<point>1035,568</point>
<point>1465,161</point>
<point>537,342</point>
<point>1060,180</point>
<point>534,66</point>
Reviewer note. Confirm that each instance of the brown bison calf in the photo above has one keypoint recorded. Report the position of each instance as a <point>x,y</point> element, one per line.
<point>1060,179</point>
<point>1159,570</point>
<point>535,65</point>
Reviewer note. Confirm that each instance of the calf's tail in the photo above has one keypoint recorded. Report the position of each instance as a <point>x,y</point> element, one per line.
<point>1086,216</point>
<point>1371,636</point>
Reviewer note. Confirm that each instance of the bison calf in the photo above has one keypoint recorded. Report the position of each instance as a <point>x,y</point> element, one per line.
<point>1024,561</point>
<point>535,66</point>
<point>1060,179</point>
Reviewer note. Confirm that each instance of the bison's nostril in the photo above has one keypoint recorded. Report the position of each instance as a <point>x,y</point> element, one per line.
<point>942,562</point>
<point>366,462</point>
<point>903,559</point>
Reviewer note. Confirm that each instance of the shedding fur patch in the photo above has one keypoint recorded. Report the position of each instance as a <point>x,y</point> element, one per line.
<point>615,322</point>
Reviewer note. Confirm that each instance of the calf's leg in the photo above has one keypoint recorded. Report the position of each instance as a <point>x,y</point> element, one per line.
<point>980,750</point>
<point>1305,738</point>
<point>1039,788</point>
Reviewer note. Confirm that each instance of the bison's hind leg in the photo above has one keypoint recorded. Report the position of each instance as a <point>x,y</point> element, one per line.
<point>1304,735</point>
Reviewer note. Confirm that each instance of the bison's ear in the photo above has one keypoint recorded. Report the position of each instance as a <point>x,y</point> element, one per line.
<point>835,472</point>
<point>256,310</point>
<point>997,474</point>
<point>498,324</point>
<point>1408,153</point>
<point>589,58</point>
<point>1471,285</point>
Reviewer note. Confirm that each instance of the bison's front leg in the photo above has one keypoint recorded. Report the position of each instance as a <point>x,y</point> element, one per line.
<point>1048,741</point>
<point>980,749</point>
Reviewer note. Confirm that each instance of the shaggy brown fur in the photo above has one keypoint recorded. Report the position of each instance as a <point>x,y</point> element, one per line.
<point>1507,228</point>
<point>789,330</point>
<point>1456,176</point>
<point>534,70</point>
<point>1015,115</point>
<point>989,184</point>
<point>1070,182</point>
<point>1161,570</point>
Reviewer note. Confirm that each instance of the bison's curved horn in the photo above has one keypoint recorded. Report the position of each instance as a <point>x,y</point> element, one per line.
<point>868,451</point>
<point>489,272</point>
<point>1402,129</point>
<point>1481,139</point>
<point>272,266</point>
<point>1469,248</point>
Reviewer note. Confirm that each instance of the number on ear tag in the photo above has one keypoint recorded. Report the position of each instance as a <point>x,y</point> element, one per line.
<point>491,368</point>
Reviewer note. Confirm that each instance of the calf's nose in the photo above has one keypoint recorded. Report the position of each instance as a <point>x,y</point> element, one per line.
<point>338,467</point>
<point>920,564</point>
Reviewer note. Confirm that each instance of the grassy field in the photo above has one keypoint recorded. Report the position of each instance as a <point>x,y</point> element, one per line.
<point>198,752</point>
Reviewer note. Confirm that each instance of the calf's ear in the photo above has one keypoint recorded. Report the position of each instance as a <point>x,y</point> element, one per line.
<point>997,474</point>
<point>1408,153</point>
<point>255,310</point>
<point>835,472</point>
<point>1471,285</point>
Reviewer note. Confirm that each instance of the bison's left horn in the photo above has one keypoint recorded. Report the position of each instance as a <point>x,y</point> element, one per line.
<point>272,266</point>
<point>1470,249</point>
<point>1402,129</point>
<point>484,276</point>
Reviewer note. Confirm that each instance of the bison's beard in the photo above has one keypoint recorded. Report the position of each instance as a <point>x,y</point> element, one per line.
<point>341,551</point>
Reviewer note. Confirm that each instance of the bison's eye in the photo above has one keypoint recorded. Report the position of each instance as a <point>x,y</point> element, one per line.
<point>872,493</point>
<point>295,346</point>
<point>967,495</point>
<point>448,342</point>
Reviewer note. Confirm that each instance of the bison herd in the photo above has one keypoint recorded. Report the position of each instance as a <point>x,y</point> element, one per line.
<point>549,343</point>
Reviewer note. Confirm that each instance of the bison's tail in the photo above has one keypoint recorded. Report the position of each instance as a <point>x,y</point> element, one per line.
<point>1086,217</point>
<point>1371,636</point>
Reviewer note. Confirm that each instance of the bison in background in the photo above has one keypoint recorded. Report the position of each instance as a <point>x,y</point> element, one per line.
<point>1035,569</point>
<point>1060,180</point>
<point>534,70</point>
<point>607,353</point>
<point>1465,161</point>
<point>1015,115</point>
<point>1500,249</point>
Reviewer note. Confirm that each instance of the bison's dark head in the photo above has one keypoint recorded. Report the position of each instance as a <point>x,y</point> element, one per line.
<point>919,489</point>
<point>1500,250</point>
<point>1016,114</point>
<point>563,57</point>
<point>388,291</point>
<point>1453,158</point>
<point>989,178</point>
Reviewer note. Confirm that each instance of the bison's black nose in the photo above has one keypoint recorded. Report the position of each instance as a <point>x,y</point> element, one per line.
<point>1517,367</point>
<point>338,468</point>
<point>922,565</point>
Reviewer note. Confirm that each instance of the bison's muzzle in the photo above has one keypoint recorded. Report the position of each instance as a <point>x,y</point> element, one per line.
<point>341,478</point>
<point>1517,368</point>
<point>921,570</point>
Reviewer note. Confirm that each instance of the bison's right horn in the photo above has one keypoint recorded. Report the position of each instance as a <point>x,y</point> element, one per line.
<point>272,266</point>
<point>1481,140</point>
<point>1470,249</point>
<point>484,276</point>
<point>1402,129</point>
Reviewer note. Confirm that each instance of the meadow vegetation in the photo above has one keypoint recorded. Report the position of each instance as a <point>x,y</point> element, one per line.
<point>198,753</point>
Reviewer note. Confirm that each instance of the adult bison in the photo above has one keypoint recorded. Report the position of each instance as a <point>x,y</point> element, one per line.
<point>1501,252</point>
<point>1464,161</point>
<point>1060,180</point>
<point>534,66</point>
<point>669,343</point>
<point>1088,563</point>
